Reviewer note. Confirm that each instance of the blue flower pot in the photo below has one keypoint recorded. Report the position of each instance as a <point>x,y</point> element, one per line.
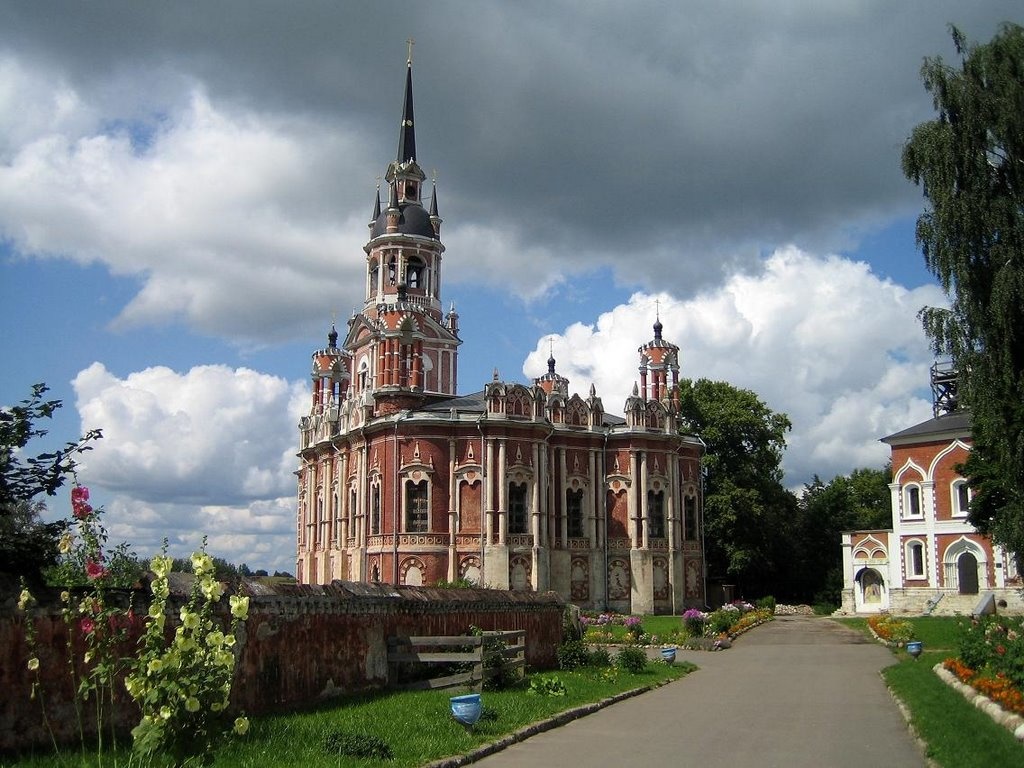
<point>466,709</point>
<point>914,648</point>
<point>668,655</point>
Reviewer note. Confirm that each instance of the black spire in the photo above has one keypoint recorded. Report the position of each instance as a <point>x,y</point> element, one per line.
<point>332,338</point>
<point>407,135</point>
<point>376,206</point>
<point>657,330</point>
<point>433,203</point>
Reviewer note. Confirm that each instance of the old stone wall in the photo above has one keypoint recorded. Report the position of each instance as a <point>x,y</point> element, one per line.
<point>301,644</point>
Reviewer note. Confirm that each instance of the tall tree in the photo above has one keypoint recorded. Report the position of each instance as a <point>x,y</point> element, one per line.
<point>747,512</point>
<point>969,161</point>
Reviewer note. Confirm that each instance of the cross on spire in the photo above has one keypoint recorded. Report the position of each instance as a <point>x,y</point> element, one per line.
<point>411,43</point>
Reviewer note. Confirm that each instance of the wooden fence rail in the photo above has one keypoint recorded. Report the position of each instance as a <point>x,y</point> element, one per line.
<point>466,651</point>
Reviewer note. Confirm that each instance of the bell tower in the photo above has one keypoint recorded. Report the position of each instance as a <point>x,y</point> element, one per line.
<point>404,349</point>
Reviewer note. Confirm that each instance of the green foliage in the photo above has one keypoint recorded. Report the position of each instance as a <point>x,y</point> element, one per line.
<point>858,501</point>
<point>26,543</point>
<point>572,654</point>
<point>182,686</point>
<point>547,685</point>
<point>766,603</point>
<point>994,644</point>
<point>346,744</point>
<point>743,495</point>
<point>631,659</point>
<point>599,657</point>
<point>969,161</point>
<point>500,676</point>
<point>460,583</point>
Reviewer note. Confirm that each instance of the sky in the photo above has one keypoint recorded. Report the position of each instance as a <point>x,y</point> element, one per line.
<point>185,190</point>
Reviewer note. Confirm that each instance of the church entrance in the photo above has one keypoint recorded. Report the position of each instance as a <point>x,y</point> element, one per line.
<point>967,573</point>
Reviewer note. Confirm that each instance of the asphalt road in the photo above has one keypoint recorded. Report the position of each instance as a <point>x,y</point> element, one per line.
<point>798,692</point>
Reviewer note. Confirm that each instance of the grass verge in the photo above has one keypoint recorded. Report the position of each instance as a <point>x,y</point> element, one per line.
<point>416,726</point>
<point>957,734</point>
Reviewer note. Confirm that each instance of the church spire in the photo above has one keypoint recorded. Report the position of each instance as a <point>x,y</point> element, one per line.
<point>407,135</point>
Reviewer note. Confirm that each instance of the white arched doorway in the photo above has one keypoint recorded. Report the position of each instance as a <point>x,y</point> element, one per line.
<point>965,567</point>
<point>871,594</point>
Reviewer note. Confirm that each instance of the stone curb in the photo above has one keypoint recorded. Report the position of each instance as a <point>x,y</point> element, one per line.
<point>539,727</point>
<point>1009,720</point>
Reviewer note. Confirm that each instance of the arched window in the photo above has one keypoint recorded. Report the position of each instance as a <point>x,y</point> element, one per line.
<point>690,515</point>
<point>375,509</point>
<point>656,514</point>
<point>915,560</point>
<point>574,513</point>
<point>517,508</point>
<point>961,498</point>
<point>392,270</point>
<point>416,507</point>
<point>912,501</point>
<point>414,274</point>
<point>374,278</point>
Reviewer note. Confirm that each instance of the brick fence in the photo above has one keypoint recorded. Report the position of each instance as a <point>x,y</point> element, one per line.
<point>301,644</point>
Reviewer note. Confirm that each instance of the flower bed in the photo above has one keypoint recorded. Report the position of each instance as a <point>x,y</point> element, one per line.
<point>891,630</point>
<point>997,696</point>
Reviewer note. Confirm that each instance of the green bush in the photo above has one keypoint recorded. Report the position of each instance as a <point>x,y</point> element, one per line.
<point>631,659</point>
<point>599,657</point>
<point>767,603</point>
<point>572,654</point>
<point>541,685</point>
<point>719,621</point>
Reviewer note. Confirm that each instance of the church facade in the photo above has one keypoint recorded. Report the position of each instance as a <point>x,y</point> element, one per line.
<point>516,486</point>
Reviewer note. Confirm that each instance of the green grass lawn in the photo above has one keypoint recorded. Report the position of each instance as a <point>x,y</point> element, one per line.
<point>417,726</point>
<point>957,734</point>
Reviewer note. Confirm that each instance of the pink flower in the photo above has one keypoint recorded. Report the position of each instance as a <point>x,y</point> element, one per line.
<point>94,570</point>
<point>87,626</point>
<point>79,493</point>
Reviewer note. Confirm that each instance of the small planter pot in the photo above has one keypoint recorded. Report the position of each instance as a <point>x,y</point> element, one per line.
<point>668,655</point>
<point>914,648</point>
<point>467,708</point>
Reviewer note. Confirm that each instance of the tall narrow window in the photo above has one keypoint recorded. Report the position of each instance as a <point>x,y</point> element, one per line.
<point>961,498</point>
<point>913,501</point>
<point>574,513</point>
<point>375,509</point>
<point>517,508</point>
<point>690,514</point>
<point>656,514</point>
<point>416,506</point>
<point>915,559</point>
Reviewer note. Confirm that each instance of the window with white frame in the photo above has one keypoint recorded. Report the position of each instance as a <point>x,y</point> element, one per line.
<point>915,560</point>
<point>912,501</point>
<point>961,498</point>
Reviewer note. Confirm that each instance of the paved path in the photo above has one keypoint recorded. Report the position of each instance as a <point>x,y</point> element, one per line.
<point>796,692</point>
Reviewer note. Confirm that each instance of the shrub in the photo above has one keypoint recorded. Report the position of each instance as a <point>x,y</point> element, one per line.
<point>719,621</point>
<point>631,659</point>
<point>547,685</point>
<point>766,603</point>
<point>572,654</point>
<point>599,657</point>
<point>356,745</point>
<point>694,621</point>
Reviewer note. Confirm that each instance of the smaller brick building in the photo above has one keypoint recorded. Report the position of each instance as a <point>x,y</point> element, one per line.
<point>932,560</point>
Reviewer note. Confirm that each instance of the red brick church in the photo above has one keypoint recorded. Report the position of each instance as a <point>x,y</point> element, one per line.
<point>527,487</point>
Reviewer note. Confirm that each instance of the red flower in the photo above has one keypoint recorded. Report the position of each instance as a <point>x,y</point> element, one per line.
<point>87,626</point>
<point>94,570</point>
<point>1000,650</point>
<point>79,493</point>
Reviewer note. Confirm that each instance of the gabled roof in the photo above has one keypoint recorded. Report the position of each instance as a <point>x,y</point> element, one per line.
<point>956,424</point>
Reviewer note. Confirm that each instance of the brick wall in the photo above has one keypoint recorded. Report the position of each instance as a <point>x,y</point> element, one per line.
<point>301,644</point>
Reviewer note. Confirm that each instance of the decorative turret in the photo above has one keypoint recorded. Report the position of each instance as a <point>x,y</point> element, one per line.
<point>658,358</point>
<point>329,373</point>
<point>551,382</point>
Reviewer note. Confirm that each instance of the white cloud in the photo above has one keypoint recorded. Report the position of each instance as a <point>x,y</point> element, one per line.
<point>207,452</point>
<point>211,435</point>
<point>822,339</point>
<point>223,214</point>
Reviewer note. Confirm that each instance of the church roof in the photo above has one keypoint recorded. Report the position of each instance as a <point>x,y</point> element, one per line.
<point>477,403</point>
<point>412,220</point>
<point>955,424</point>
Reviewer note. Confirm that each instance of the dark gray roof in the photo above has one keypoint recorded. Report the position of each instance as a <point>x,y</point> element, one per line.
<point>412,220</point>
<point>958,422</point>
